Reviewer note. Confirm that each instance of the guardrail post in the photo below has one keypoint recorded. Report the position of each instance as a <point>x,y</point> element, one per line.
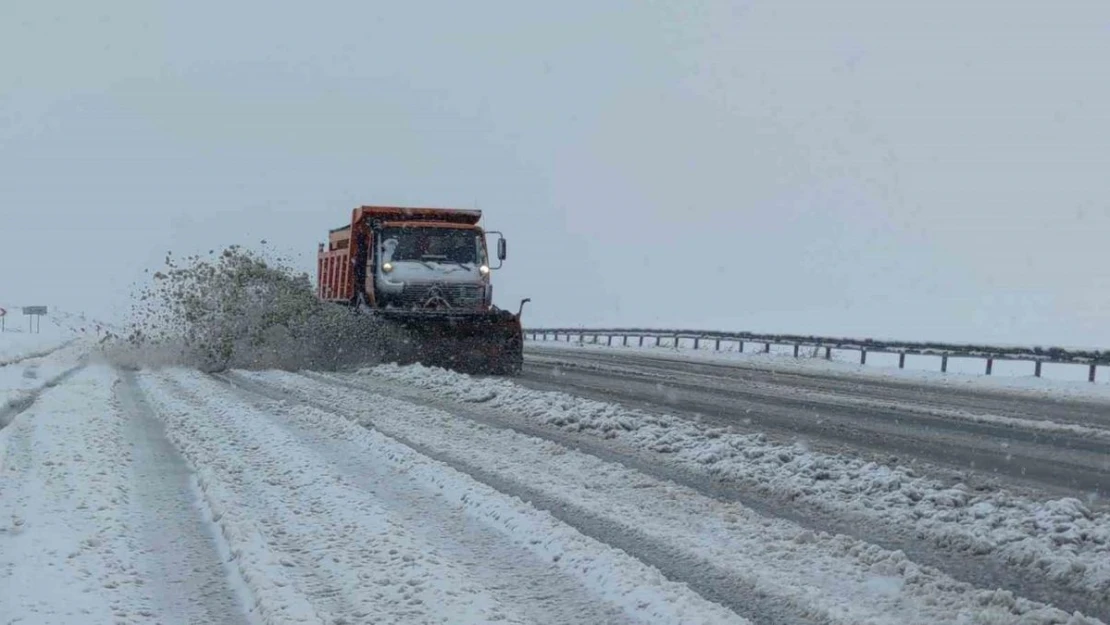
<point>828,353</point>
<point>741,347</point>
<point>944,363</point>
<point>795,350</point>
<point>863,356</point>
<point>766,348</point>
<point>610,340</point>
<point>717,346</point>
<point>902,360</point>
<point>676,341</point>
<point>697,341</point>
<point>1037,369</point>
<point>990,365</point>
<point>641,341</point>
<point>624,340</point>
<point>1091,373</point>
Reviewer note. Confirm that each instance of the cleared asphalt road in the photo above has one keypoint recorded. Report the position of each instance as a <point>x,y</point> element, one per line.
<point>981,434</point>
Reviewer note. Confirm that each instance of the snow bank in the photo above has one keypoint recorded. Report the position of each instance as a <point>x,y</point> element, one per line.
<point>844,399</point>
<point>65,556</point>
<point>1061,539</point>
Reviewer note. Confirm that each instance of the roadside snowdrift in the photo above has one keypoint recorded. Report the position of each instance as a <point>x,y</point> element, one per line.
<point>1061,539</point>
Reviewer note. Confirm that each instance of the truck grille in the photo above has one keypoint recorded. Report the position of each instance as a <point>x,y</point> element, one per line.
<point>457,295</point>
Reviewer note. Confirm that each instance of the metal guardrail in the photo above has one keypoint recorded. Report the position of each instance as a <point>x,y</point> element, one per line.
<point>989,353</point>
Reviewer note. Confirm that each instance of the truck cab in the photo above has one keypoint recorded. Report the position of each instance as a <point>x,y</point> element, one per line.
<point>392,258</point>
<point>430,265</point>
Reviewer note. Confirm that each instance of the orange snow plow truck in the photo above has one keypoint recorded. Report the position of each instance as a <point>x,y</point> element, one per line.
<point>421,276</point>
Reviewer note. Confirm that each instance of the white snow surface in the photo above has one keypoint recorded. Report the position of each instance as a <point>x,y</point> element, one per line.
<point>829,579</point>
<point>29,375</point>
<point>65,554</point>
<point>1061,539</point>
<point>317,544</point>
<point>1059,381</point>
<point>17,346</point>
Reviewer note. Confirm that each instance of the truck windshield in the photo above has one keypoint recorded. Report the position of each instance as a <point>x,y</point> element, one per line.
<point>453,245</point>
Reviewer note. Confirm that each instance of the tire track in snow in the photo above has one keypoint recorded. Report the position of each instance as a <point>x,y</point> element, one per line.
<point>976,569</point>
<point>184,565</point>
<point>720,550</point>
<point>37,354</point>
<point>710,582</point>
<point>14,407</point>
<point>379,555</point>
<point>544,594</point>
<point>65,553</point>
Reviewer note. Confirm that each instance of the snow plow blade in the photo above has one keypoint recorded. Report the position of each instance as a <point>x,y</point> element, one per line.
<point>477,342</point>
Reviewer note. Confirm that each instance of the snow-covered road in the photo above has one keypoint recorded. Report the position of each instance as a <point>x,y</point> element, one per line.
<point>408,495</point>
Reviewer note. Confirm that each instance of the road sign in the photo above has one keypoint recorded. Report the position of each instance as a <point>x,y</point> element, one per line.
<point>3,312</point>
<point>31,312</point>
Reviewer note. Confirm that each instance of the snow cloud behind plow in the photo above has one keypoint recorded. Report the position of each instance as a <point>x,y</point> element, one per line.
<point>239,309</point>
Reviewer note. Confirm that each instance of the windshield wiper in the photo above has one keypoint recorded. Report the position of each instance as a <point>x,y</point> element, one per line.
<point>442,260</point>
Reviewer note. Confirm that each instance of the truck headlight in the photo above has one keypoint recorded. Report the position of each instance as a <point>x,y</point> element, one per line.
<point>387,267</point>
<point>484,270</point>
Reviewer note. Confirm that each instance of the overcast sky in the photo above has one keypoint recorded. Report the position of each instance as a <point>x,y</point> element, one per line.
<point>931,170</point>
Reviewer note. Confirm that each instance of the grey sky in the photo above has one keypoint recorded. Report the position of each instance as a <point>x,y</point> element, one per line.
<point>926,170</point>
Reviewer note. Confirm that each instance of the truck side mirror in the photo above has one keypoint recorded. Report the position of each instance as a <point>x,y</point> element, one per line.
<point>502,251</point>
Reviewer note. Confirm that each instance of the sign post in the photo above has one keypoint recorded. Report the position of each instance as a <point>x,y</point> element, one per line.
<point>31,312</point>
